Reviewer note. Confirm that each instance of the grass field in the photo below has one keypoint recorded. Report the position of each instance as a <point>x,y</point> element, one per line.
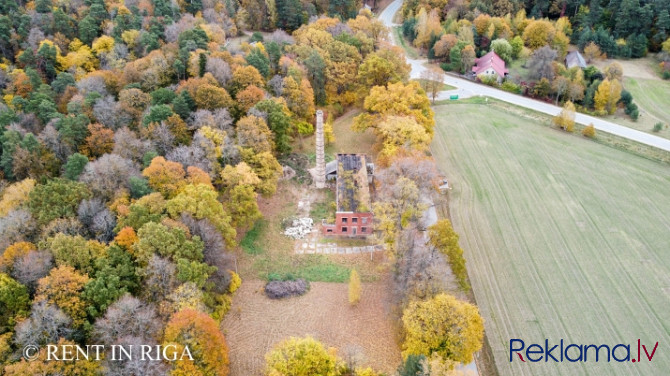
<point>564,238</point>
<point>652,96</point>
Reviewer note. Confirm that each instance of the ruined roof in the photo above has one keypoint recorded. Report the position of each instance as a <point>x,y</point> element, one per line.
<point>353,191</point>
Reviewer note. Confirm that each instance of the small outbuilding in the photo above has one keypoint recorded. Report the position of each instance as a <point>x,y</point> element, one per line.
<point>575,59</point>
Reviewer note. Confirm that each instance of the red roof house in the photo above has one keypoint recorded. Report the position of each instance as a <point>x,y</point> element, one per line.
<point>490,64</point>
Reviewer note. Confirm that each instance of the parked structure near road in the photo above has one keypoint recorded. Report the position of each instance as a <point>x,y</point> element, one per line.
<point>354,178</point>
<point>490,65</point>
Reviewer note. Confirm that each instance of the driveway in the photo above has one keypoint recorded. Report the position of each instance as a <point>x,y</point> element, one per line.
<point>467,88</point>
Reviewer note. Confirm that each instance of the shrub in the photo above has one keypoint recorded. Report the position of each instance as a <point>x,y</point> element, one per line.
<point>634,114</point>
<point>511,87</point>
<point>235,282</point>
<point>666,75</point>
<point>589,131</point>
<point>657,127</point>
<point>284,289</point>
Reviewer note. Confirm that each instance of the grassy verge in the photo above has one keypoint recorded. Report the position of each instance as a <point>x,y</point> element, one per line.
<point>411,52</point>
<point>443,88</point>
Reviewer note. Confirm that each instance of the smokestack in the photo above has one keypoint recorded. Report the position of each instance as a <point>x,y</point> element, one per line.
<point>320,152</point>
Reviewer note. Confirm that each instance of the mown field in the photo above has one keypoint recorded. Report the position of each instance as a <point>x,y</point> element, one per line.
<point>564,238</point>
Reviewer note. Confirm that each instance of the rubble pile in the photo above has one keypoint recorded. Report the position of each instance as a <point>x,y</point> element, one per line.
<point>299,228</point>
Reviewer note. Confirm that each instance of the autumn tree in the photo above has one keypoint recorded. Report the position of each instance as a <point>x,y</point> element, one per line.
<point>14,301</point>
<point>428,26</point>
<point>165,176</point>
<point>538,33</point>
<point>589,131</point>
<point>443,46</point>
<point>16,195</point>
<point>540,63</point>
<point>396,99</point>
<point>397,132</point>
<point>63,287</point>
<point>445,239</point>
<point>607,96</point>
<point>201,202</point>
<point>58,198</point>
<point>592,52</point>
<point>566,118</point>
<point>200,333</point>
<point>467,58</point>
<point>442,325</point>
<point>383,67</point>
<point>211,97</point>
<point>433,79</point>
<point>354,287</point>
<point>300,357</point>
<point>99,141</point>
<point>253,132</point>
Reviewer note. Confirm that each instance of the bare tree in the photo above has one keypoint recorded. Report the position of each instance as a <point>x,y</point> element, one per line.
<point>136,365</point>
<point>110,113</point>
<point>46,324</point>
<point>128,316</point>
<point>540,63</point>
<point>92,84</point>
<point>16,226</point>
<point>192,155</point>
<point>219,69</point>
<point>433,80</point>
<point>103,226</point>
<point>215,252</point>
<point>128,145</point>
<point>160,276</point>
<point>109,174</point>
<point>29,268</point>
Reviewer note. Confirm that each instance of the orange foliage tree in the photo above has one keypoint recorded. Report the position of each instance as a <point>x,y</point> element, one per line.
<point>207,345</point>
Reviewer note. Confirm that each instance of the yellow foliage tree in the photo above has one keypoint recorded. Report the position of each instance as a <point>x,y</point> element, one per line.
<point>398,132</point>
<point>13,252</point>
<point>444,326</point>
<point>354,287</point>
<point>538,33</point>
<point>601,96</point>
<point>300,357</point>
<point>592,52</point>
<point>63,287</point>
<point>566,118</point>
<point>589,131</point>
<point>15,195</point>
<point>396,99</point>
<point>165,176</point>
<point>103,44</point>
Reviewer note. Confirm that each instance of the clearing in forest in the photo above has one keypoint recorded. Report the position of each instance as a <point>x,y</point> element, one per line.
<point>256,323</point>
<point>564,238</point>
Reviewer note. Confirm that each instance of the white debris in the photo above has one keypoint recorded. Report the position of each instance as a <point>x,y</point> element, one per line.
<point>299,228</point>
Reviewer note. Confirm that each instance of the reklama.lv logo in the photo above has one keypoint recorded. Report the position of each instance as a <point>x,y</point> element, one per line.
<point>579,352</point>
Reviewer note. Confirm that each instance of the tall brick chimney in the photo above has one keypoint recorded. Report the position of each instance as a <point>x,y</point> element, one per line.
<point>320,178</point>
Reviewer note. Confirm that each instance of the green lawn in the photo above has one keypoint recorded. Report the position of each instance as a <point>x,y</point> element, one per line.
<point>652,96</point>
<point>411,52</point>
<point>564,238</point>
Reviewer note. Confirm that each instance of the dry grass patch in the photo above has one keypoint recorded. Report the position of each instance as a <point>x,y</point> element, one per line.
<point>256,323</point>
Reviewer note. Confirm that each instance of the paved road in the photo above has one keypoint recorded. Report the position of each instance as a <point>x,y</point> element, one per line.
<point>468,88</point>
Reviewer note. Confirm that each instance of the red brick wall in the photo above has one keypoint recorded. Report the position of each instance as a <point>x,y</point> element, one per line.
<point>350,224</point>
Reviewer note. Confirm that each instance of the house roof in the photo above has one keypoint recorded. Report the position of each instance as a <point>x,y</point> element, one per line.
<point>353,191</point>
<point>490,60</point>
<point>575,59</point>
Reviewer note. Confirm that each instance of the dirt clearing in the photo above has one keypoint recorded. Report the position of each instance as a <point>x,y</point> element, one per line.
<point>255,324</point>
